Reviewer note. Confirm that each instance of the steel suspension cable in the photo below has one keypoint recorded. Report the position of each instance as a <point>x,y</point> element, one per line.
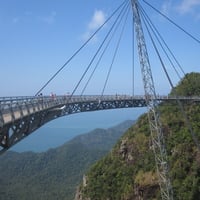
<point>133,58</point>
<point>100,47</point>
<point>157,34</point>
<point>188,124</point>
<point>84,44</point>
<point>144,16</point>
<point>96,66</point>
<point>175,24</point>
<point>101,56</point>
<point>115,53</point>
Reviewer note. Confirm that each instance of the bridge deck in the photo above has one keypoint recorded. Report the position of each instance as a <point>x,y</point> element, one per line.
<point>20,116</point>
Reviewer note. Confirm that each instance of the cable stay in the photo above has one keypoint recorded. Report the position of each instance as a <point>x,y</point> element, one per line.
<point>172,22</point>
<point>115,53</point>
<point>133,57</point>
<point>121,14</point>
<point>84,44</point>
<point>161,40</point>
<point>104,51</point>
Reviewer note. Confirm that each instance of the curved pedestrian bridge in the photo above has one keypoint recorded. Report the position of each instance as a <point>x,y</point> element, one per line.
<point>20,116</point>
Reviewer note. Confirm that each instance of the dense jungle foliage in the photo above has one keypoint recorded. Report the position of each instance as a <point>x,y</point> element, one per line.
<point>128,172</point>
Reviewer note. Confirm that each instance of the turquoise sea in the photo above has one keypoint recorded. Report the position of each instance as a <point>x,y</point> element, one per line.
<point>61,130</point>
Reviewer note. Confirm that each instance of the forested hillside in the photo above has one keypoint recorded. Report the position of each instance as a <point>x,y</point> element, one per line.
<point>128,171</point>
<point>56,173</point>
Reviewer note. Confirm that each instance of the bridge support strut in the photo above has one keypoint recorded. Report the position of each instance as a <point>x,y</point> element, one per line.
<point>153,113</point>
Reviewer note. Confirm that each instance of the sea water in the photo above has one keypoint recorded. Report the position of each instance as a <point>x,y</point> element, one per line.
<point>63,129</point>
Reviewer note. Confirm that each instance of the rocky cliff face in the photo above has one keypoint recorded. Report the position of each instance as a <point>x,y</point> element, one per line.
<point>79,195</point>
<point>115,177</point>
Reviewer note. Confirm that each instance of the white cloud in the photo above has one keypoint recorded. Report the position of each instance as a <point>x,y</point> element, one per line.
<point>187,6</point>
<point>97,20</point>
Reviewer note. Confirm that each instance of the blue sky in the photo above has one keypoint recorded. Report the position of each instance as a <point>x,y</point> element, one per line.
<point>38,36</point>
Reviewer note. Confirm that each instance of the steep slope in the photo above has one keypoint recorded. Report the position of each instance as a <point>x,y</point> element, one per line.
<point>128,171</point>
<point>55,173</point>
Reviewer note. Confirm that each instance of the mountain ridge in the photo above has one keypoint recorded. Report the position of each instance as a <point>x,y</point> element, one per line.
<point>54,174</point>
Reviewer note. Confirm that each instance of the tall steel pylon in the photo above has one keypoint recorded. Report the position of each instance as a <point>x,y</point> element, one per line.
<point>153,113</point>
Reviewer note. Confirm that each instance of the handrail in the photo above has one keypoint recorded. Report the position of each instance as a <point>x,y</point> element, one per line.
<point>5,100</point>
